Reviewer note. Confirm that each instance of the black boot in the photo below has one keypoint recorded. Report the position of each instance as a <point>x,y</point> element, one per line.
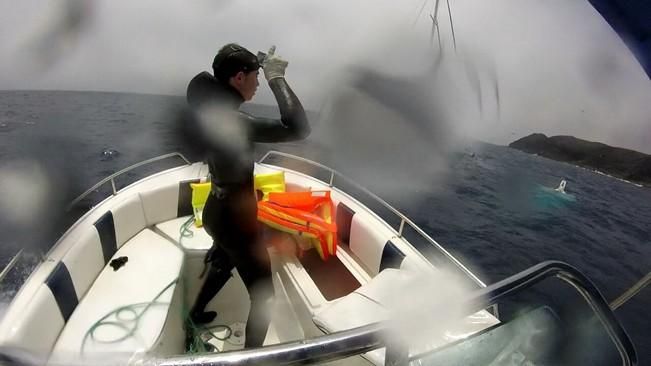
<point>203,317</point>
<point>218,275</point>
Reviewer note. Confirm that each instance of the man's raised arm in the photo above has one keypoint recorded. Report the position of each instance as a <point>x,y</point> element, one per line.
<point>293,123</point>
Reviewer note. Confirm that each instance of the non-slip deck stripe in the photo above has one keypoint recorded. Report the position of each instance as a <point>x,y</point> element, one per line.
<point>392,257</point>
<point>344,218</point>
<point>184,204</point>
<point>60,282</point>
<point>106,230</point>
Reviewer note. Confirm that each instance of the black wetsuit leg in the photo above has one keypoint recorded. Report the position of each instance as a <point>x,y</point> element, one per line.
<point>256,275</point>
<point>219,272</point>
<point>232,222</point>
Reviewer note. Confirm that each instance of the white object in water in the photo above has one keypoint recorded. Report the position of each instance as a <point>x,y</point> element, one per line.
<point>561,186</point>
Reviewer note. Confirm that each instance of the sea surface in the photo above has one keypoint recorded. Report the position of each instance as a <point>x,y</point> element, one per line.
<point>495,211</point>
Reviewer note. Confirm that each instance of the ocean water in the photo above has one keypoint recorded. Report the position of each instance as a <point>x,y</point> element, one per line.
<point>495,211</point>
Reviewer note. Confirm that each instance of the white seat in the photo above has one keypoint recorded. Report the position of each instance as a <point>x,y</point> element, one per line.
<point>373,302</point>
<point>35,338</point>
<point>153,268</point>
<point>367,240</point>
<point>361,307</point>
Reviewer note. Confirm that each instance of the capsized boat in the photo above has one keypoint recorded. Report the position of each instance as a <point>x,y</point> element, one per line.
<point>115,288</point>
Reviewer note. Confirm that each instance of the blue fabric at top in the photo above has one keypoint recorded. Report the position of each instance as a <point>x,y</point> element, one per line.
<point>631,19</point>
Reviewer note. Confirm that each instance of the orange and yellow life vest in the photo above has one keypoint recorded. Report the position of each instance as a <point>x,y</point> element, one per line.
<point>309,214</point>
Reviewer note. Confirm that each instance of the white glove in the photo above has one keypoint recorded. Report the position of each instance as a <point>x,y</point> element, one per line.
<point>273,66</point>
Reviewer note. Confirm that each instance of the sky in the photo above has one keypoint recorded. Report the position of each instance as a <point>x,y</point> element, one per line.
<point>519,66</point>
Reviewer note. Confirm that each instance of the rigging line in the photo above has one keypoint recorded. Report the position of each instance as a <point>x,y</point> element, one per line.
<point>438,33</point>
<point>435,28</point>
<point>628,294</point>
<point>454,39</point>
<point>421,11</point>
<point>497,97</point>
<point>435,22</point>
<point>473,78</point>
<point>11,264</point>
<point>431,33</point>
<point>436,12</point>
<point>437,61</point>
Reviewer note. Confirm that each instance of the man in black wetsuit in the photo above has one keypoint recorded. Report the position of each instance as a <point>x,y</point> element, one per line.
<point>230,213</point>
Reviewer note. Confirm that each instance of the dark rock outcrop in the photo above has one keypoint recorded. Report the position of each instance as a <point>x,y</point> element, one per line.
<point>622,163</point>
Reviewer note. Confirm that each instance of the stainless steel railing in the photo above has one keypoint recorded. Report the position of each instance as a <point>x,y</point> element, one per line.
<point>369,337</point>
<point>366,338</point>
<point>404,220</point>
<point>111,178</point>
<point>304,352</point>
<point>634,290</point>
<point>10,265</point>
<point>507,287</point>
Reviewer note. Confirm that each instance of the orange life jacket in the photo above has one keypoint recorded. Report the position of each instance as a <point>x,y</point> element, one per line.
<point>309,214</point>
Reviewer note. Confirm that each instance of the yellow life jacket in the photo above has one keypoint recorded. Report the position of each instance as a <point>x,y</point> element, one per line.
<point>309,214</point>
<point>200,192</point>
<point>266,183</point>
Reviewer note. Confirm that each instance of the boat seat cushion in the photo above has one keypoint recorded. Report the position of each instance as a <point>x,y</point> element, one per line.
<point>371,243</point>
<point>167,202</point>
<point>61,298</point>
<point>160,204</point>
<point>128,219</point>
<point>361,307</point>
<point>153,264</point>
<point>370,303</point>
<point>85,261</point>
<point>344,219</point>
<point>37,328</point>
<point>36,337</point>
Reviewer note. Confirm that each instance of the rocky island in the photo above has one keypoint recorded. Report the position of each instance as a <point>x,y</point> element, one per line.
<point>622,163</point>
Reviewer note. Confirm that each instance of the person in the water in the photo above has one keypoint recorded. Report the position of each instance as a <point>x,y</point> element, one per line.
<point>561,186</point>
<point>230,213</point>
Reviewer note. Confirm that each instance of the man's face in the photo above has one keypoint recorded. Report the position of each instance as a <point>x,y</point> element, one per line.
<point>246,84</point>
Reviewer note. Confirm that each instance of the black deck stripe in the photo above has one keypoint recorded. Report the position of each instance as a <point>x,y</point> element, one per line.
<point>184,204</point>
<point>392,257</point>
<point>106,229</point>
<point>60,282</point>
<point>344,218</point>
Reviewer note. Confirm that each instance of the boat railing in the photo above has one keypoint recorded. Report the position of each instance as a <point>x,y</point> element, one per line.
<point>111,178</point>
<point>10,265</point>
<point>404,220</point>
<point>334,176</point>
<point>363,339</point>
<point>634,290</point>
